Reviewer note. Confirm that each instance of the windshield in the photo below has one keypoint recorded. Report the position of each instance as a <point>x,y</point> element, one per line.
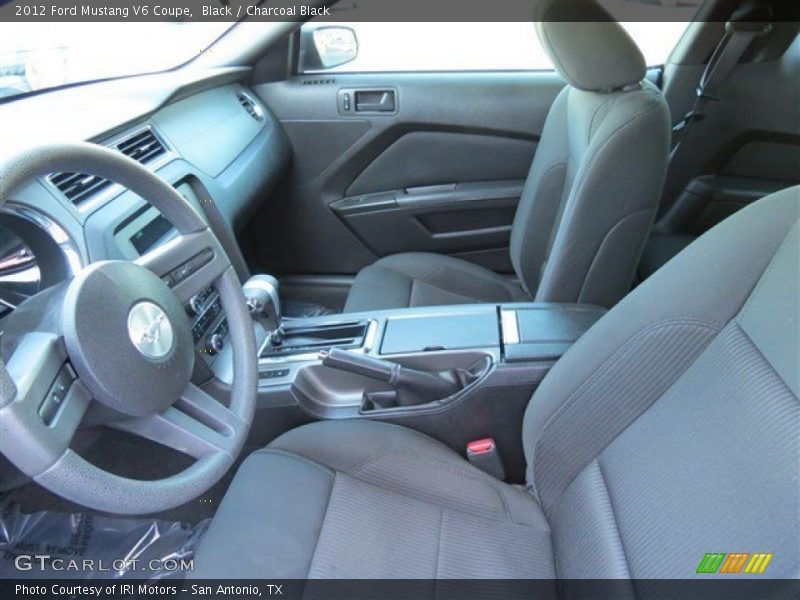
<point>38,56</point>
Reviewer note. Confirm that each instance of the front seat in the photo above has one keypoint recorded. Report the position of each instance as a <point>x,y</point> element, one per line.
<point>591,193</point>
<point>670,430</point>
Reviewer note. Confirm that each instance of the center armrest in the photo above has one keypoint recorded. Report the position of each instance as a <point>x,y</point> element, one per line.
<point>537,332</point>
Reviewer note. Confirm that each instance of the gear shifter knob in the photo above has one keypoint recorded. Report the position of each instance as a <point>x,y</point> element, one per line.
<point>261,294</point>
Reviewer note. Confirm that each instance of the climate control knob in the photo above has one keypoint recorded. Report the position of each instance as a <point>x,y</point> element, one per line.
<point>215,343</point>
<point>196,305</point>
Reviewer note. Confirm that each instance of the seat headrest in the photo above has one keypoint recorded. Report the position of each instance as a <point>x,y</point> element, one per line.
<point>587,46</point>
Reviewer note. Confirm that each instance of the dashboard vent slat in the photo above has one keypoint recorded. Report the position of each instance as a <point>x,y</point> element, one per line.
<point>143,147</point>
<point>77,187</point>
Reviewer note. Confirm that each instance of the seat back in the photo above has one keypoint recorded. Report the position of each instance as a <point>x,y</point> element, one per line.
<point>593,188</point>
<point>671,430</point>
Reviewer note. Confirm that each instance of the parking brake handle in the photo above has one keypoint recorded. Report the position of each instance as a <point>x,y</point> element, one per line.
<point>413,386</point>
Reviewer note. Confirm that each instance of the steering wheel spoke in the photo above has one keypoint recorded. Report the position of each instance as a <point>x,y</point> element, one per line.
<point>39,422</point>
<point>188,263</point>
<point>197,425</point>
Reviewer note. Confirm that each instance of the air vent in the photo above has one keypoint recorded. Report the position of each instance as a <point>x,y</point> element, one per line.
<point>253,109</point>
<point>77,187</point>
<point>143,147</point>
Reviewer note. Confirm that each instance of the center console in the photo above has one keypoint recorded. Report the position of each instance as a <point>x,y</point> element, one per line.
<point>457,373</point>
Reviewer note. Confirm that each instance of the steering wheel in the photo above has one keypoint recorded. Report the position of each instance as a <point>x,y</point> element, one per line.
<point>117,334</point>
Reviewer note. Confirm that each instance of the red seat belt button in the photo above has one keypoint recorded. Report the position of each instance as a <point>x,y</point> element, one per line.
<point>484,455</point>
<point>481,446</point>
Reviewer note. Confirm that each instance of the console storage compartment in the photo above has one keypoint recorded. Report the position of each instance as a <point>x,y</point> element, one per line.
<point>543,332</point>
<point>425,333</point>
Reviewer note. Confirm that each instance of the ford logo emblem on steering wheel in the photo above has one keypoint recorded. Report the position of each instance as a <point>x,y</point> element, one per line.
<point>150,330</point>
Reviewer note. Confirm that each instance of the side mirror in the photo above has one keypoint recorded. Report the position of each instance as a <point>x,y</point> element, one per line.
<point>327,47</point>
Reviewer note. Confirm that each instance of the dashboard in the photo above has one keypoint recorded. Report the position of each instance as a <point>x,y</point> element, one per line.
<point>204,132</point>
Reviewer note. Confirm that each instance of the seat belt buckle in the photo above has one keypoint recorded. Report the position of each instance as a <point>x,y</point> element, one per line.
<point>484,455</point>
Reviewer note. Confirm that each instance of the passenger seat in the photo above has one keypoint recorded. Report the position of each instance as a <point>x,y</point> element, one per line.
<point>591,193</point>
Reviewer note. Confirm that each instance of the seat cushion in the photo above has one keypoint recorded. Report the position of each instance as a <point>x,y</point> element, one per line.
<point>423,279</point>
<point>363,499</point>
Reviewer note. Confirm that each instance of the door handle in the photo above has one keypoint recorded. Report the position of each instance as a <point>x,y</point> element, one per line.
<point>375,101</point>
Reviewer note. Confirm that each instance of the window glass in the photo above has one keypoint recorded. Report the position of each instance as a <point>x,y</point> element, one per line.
<point>37,56</point>
<point>475,46</point>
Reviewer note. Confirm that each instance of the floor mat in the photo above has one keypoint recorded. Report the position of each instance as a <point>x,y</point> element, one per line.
<point>85,546</point>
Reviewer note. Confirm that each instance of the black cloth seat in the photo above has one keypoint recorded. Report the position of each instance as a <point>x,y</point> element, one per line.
<point>591,193</point>
<point>361,498</point>
<point>669,430</point>
<point>423,279</point>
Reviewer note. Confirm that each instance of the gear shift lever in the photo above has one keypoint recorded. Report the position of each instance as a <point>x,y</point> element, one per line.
<point>261,295</point>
